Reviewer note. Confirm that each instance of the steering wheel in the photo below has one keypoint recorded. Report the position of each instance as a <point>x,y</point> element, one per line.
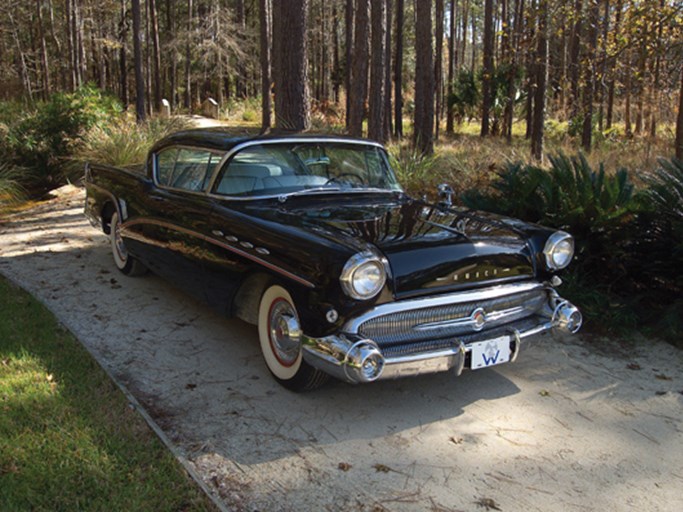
<point>337,179</point>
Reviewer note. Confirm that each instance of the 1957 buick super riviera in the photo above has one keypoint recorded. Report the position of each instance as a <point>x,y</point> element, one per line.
<point>312,239</point>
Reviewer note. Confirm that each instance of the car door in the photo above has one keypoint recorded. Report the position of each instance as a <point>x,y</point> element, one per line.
<point>179,217</point>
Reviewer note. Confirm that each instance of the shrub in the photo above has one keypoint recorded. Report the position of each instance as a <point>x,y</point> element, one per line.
<point>249,116</point>
<point>41,140</point>
<point>123,142</point>
<point>465,96</point>
<point>629,245</point>
<point>412,167</point>
<point>11,191</point>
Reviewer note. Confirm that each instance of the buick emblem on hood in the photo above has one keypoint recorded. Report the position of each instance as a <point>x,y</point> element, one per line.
<point>474,275</point>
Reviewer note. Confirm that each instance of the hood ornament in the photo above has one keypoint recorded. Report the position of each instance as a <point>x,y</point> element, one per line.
<point>445,195</point>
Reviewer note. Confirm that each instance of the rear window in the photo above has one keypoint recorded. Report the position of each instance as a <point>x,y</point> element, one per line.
<point>186,168</point>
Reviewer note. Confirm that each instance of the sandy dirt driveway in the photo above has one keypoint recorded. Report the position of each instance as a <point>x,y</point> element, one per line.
<point>570,426</point>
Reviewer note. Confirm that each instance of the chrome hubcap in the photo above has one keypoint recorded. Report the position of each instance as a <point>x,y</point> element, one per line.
<point>285,332</point>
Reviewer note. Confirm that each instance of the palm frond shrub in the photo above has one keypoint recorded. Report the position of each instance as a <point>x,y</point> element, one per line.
<point>123,142</point>
<point>412,167</point>
<point>11,190</point>
<point>44,138</point>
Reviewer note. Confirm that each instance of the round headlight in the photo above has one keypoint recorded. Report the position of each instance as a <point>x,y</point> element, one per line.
<point>559,250</point>
<point>363,276</point>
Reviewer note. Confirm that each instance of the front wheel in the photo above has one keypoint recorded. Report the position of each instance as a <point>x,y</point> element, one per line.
<point>281,342</point>
<point>123,261</point>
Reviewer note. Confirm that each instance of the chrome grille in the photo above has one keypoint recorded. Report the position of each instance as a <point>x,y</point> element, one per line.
<point>450,320</point>
<point>407,349</point>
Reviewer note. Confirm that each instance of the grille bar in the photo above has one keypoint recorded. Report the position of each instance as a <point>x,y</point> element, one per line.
<point>411,348</point>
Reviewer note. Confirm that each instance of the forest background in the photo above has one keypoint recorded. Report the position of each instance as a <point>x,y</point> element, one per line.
<point>564,112</point>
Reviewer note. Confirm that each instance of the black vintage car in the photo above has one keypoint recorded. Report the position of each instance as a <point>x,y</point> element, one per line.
<point>312,239</point>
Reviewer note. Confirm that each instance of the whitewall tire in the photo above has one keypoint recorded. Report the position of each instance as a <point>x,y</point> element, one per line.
<point>280,337</point>
<point>123,261</point>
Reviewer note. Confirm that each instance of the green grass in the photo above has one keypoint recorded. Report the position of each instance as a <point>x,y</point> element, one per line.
<point>68,439</point>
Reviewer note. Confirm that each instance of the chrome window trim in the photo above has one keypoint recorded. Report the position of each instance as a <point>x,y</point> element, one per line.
<point>285,140</point>
<point>178,147</point>
<point>352,326</point>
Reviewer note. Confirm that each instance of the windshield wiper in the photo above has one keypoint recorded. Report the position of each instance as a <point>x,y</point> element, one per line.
<point>317,190</point>
<point>282,198</point>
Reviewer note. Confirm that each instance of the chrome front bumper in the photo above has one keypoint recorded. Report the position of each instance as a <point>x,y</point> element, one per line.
<point>353,358</point>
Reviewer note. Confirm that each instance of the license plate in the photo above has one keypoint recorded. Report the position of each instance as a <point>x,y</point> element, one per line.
<point>490,352</point>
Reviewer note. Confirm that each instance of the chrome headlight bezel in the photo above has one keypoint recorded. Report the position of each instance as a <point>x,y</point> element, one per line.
<point>557,243</point>
<point>365,260</point>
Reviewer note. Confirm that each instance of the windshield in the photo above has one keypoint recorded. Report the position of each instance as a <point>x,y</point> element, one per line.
<point>286,168</point>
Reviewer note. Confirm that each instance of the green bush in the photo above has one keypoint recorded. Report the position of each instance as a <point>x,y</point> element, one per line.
<point>11,191</point>
<point>465,96</point>
<point>123,142</point>
<point>41,140</point>
<point>412,167</point>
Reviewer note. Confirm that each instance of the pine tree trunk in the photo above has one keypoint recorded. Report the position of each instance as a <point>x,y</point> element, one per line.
<point>465,23</point>
<point>574,59</point>
<point>188,60</point>
<point>265,33</point>
<point>679,123</point>
<point>359,82</point>
<point>173,66</point>
<point>290,65</point>
<point>541,65</point>
<point>452,58</point>
<point>70,42</point>
<point>603,67</point>
<point>377,90</point>
<point>240,85</point>
<point>423,136</point>
<point>398,71</point>
<point>642,62</point>
<point>336,70</point>
<point>156,69</point>
<point>140,113</point>
<point>488,68</point>
<point>612,70</point>
<point>438,65</point>
<point>123,64</point>
<point>43,51</point>
<point>388,125</point>
<point>654,103</point>
<point>589,75</point>
<point>348,40</point>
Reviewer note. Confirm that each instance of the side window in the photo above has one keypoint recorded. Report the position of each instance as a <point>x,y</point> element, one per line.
<point>190,169</point>
<point>165,163</point>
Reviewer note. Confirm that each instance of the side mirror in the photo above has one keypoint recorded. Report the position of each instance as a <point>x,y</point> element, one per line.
<point>445,194</point>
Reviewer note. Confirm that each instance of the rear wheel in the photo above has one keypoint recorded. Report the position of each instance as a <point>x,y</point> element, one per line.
<point>123,261</point>
<point>281,342</point>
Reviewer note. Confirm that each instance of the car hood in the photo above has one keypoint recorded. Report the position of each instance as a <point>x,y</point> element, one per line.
<point>428,248</point>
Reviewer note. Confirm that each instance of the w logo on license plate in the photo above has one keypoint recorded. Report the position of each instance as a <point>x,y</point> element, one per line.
<point>490,352</point>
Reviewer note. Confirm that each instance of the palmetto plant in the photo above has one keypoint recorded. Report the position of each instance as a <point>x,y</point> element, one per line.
<point>123,142</point>
<point>582,200</point>
<point>11,191</point>
<point>595,207</point>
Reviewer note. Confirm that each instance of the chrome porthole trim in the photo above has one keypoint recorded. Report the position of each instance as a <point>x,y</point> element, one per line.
<point>556,242</point>
<point>350,277</point>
